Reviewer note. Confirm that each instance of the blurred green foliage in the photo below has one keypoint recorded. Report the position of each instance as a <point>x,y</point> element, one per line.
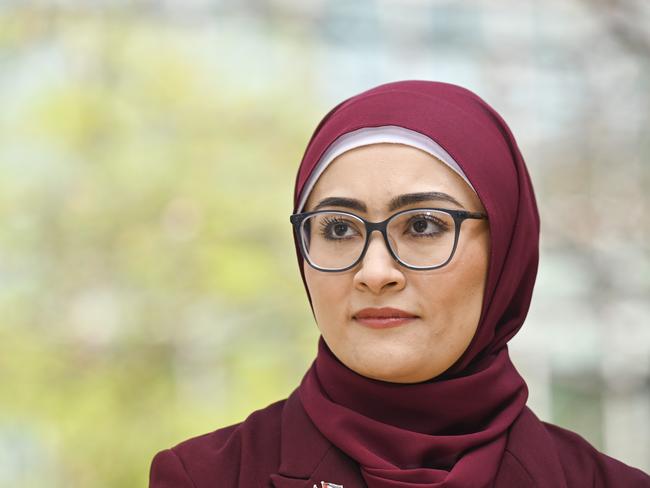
<point>148,280</point>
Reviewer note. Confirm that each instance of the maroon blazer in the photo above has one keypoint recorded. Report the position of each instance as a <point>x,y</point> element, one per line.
<point>278,446</point>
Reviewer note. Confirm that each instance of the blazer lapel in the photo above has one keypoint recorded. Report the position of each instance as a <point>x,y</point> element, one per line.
<point>306,457</point>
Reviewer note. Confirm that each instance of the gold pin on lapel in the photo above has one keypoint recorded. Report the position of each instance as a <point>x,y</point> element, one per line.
<point>325,484</point>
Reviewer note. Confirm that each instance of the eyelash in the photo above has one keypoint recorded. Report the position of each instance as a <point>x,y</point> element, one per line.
<point>443,226</point>
<point>325,226</point>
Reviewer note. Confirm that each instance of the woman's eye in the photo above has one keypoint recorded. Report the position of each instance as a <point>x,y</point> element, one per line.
<point>426,226</point>
<point>337,229</point>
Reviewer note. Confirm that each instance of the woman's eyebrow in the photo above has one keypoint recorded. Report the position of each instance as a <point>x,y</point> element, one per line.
<point>395,203</point>
<point>410,198</point>
<point>351,203</point>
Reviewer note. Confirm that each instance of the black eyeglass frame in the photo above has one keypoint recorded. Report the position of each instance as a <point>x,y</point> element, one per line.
<point>458,215</point>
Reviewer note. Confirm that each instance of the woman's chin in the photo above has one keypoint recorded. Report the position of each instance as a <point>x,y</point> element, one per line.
<point>394,368</point>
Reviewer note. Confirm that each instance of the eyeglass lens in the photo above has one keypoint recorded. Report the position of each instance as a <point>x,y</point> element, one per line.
<point>422,238</point>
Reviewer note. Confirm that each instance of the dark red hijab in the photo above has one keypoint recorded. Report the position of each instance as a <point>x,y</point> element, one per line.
<point>452,430</point>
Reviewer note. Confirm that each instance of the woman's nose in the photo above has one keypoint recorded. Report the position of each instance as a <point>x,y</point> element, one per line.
<point>378,269</point>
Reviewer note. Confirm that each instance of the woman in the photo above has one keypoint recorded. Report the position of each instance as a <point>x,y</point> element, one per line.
<point>412,384</point>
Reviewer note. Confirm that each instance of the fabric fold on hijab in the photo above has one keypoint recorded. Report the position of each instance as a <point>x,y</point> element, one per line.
<point>449,431</point>
<point>399,428</point>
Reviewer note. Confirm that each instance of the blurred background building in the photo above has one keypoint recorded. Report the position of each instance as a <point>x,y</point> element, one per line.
<point>148,285</point>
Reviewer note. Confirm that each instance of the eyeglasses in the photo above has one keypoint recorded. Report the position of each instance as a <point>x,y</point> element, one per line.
<point>419,239</point>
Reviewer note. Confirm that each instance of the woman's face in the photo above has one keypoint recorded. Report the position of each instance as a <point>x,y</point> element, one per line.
<point>447,301</point>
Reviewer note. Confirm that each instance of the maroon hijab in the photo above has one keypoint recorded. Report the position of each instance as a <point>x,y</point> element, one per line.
<point>450,431</point>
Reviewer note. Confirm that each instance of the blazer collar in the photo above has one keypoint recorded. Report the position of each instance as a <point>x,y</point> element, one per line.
<point>307,457</point>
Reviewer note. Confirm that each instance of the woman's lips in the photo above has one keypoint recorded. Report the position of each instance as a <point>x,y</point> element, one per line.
<point>384,322</point>
<point>380,318</point>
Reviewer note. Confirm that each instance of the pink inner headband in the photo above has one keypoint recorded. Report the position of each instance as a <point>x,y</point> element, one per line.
<point>375,135</point>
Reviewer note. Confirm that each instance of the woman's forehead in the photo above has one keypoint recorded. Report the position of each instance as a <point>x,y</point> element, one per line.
<point>379,173</point>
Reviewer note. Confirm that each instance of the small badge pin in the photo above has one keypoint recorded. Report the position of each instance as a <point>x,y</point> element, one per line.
<point>325,484</point>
